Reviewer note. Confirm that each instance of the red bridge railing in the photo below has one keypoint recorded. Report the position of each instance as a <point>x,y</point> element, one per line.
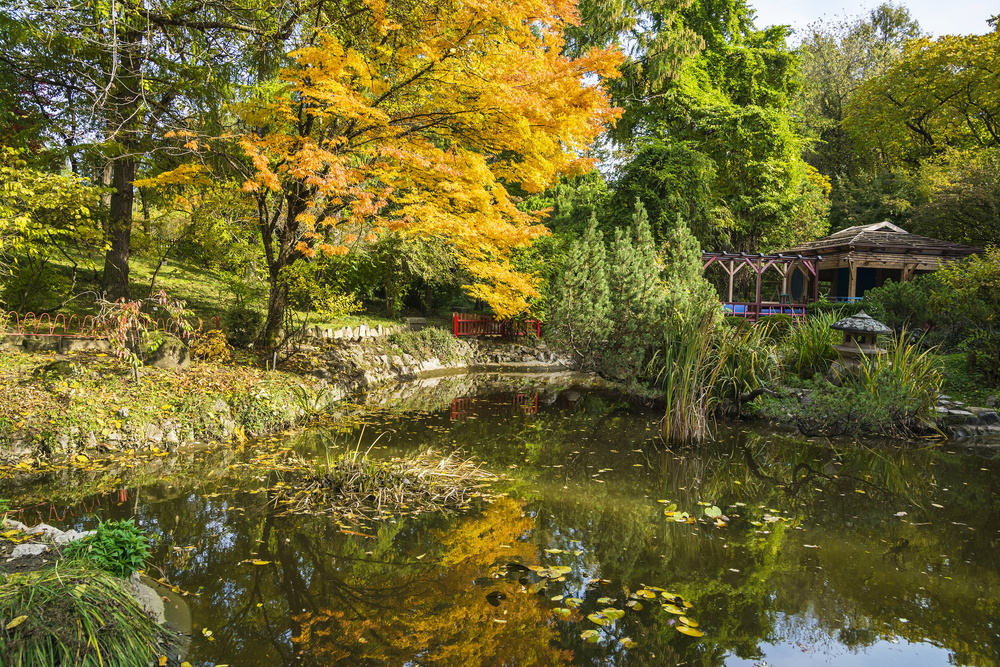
<point>463,324</point>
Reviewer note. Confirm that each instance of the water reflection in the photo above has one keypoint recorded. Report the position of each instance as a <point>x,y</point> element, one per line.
<point>833,553</point>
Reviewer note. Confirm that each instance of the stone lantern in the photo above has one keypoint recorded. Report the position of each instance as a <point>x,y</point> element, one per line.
<point>860,340</point>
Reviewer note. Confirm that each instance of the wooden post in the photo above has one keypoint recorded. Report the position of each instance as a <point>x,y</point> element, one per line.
<point>907,274</point>
<point>853,284</point>
<point>759,272</point>
<point>731,270</point>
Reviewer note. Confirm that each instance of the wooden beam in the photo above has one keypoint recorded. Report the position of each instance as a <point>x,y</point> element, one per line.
<point>853,284</point>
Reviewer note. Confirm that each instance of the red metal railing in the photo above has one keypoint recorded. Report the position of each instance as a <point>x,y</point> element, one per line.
<point>486,325</point>
<point>76,326</point>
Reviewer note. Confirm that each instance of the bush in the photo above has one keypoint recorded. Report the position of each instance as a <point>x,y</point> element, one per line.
<point>242,325</point>
<point>118,547</point>
<point>211,346</point>
<point>749,361</point>
<point>894,394</point>
<point>74,615</point>
<point>900,305</point>
<point>775,327</point>
<point>738,322</point>
<point>839,310</point>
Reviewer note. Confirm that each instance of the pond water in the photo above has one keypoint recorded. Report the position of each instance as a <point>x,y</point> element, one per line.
<point>826,553</point>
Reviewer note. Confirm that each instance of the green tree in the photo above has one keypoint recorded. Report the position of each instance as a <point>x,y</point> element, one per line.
<point>581,305</point>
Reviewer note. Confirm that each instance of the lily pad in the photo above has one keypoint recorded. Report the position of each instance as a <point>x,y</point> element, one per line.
<point>562,612</point>
<point>672,609</point>
<point>612,614</point>
<point>598,618</point>
<point>573,602</point>
<point>690,632</point>
<point>628,642</point>
<point>605,601</point>
<point>591,636</point>
<point>690,622</point>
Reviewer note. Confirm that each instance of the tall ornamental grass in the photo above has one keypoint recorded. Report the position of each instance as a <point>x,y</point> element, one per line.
<point>909,374</point>
<point>748,361</point>
<point>807,349</point>
<point>689,366</point>
<point>73,614</point>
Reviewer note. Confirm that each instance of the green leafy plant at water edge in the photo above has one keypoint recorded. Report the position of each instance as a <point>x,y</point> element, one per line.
<point>118,547</point>
<point>73,614</point>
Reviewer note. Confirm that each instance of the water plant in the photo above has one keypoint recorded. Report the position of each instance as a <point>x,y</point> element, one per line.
<point>73,614</point>
<point>689,367</point>
<point>748,363</point>
<point>118,547</point>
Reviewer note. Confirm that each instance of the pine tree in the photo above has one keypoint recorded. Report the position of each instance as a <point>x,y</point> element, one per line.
<point>581,309</point>
<point>688,294</point>
<point>636,299</point>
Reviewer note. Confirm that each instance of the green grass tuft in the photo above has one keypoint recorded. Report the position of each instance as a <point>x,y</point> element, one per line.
<point>73,615</point>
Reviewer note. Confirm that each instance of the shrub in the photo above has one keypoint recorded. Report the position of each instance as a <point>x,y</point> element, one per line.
<point>118,547</point>
<point>211,346</point>
<point>738,322</point>
<point>749,361</point>
<point>74,615</point>
<point>900,305</point>
<point>242,325</point>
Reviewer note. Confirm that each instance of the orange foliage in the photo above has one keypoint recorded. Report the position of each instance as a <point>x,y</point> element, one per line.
<point>420,127</point>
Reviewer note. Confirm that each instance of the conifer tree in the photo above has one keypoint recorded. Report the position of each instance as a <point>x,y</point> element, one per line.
<point>581,309</point>
<point>636,298</point>
<point>688,294</point>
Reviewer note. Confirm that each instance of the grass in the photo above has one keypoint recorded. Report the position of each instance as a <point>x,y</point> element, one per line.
<point>92,399</point>
<point>73,614</point>
<point>964,384</point>
<point>204,292</point>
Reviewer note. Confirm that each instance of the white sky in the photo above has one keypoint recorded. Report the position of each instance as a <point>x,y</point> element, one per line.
<point>937,17</point>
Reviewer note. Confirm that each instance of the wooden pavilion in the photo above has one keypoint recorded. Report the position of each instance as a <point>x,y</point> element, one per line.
<point>857,259</point>
<point>850,262</point>
<point>796,271</point>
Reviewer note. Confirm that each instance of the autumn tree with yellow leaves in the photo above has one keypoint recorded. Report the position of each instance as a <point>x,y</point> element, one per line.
<point>419,118</point>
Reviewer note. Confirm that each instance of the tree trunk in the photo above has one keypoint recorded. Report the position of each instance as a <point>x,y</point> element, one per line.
<point>116,283</point>
<point>276,302</point>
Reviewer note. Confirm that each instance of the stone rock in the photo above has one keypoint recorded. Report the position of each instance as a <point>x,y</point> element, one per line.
<point>149,599</point>
<point>57,370</point>
<point>172,354</point>
<point>171,437</point>
<point>80,344</point>
<point>22,550</point>
<point>986,415</point>
<point>72,536</point>
<point>153,433</point>
<point>991,402</point>
<point>219,406</point>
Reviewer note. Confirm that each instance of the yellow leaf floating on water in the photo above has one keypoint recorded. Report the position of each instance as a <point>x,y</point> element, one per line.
<point>82,459</point>
<point>16,622</point>
<point>162,661</point>
<point>690,632</point>
<point>689,621</point>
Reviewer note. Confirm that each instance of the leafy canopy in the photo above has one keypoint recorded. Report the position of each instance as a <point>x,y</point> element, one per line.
<point>422,128</point>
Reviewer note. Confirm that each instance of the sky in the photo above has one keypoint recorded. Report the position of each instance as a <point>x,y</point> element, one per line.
<point>936,17</point>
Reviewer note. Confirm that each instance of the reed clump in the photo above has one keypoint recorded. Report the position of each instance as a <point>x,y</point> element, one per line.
<point>357,486</point>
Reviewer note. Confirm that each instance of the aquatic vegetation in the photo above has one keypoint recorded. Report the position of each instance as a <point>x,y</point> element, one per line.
<point>73,614</point>
<point>807,349</point>
<point>356,485</point>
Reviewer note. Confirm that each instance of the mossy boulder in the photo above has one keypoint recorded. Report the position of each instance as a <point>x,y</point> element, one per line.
<point>172,354</point>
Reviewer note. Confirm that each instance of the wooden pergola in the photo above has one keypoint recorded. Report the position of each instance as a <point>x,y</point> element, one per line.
<point>860,258</point>
<point>790,302</point>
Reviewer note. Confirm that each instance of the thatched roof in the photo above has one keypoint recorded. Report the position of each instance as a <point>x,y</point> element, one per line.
<point>881,236</point>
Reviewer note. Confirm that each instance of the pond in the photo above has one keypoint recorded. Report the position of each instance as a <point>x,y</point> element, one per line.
<point>604,547</point>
